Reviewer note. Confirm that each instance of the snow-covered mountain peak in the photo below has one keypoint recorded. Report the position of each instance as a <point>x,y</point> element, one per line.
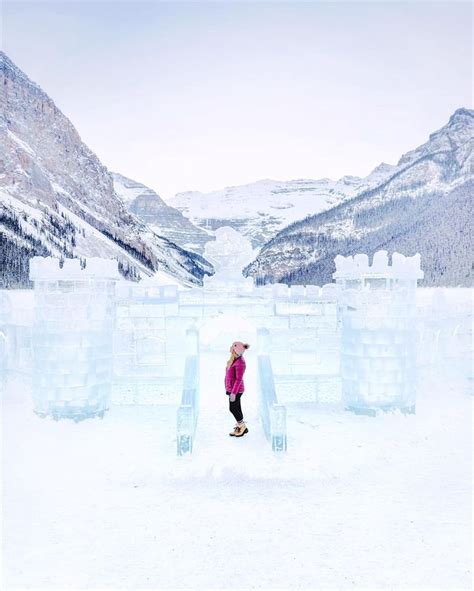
<point>165,220</point>
<point>458,131</point>
<point>383,168</point>
<point>129,190</point>
<point>57,198</point>
<point>6,65</point>
<point>462,114</point>
<point>424,204</point>
<point>258,210</point>
<point>459,128</point>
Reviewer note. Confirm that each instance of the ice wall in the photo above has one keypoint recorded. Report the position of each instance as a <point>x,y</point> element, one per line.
<point>15,332</point>
<point>378,346</point>
<point>303,342</point>
<point>72,336</point>
<point>151,342</point>
<point>353,339</point>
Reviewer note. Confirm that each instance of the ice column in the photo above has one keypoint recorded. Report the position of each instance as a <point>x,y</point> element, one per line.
<point>378,306</point>
<point>188,412</point>
<point>272,414</point>
<point>72,336</point>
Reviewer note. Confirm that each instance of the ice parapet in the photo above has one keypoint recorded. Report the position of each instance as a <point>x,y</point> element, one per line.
<point>356,268</point>
<point>378,345</point>
<point>45,269</point>
<point>72,336</point>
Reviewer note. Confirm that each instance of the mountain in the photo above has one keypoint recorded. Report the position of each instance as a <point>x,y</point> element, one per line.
<point>166,221</point>
<point>56,198</point>
<point>423,204</point>
<point>260,210</point>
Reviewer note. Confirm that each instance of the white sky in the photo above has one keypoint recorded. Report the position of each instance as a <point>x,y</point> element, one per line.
<point>202,95</point>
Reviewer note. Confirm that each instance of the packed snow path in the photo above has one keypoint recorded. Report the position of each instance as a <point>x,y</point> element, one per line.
<point>215,420</point>
<point>356,502</point>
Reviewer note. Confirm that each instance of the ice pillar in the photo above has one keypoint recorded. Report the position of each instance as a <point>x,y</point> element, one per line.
<point>378,356</point>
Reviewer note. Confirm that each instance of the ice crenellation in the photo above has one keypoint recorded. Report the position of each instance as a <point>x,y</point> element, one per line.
<point>51,269</point>
<point>358,265</point>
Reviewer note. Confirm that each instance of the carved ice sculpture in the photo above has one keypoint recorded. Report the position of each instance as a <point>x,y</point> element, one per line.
<point>229,253</point>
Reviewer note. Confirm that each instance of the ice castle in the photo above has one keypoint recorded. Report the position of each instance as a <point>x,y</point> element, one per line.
<point>97,340</point>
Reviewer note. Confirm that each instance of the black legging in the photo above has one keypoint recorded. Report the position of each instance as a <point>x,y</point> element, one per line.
<point>235,407</point>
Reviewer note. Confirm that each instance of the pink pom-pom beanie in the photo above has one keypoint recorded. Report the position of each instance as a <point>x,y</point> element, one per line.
<point>239,347</point>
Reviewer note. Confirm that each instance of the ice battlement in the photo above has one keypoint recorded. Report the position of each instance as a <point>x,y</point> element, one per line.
<point>281,291</point>
<point>49,269</point>
<point>357,266</point>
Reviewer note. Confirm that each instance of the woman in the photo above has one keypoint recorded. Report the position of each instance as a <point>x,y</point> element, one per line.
<point>234,385</point>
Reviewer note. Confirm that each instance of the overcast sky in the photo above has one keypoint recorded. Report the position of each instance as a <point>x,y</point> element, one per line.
<point>203,95</point>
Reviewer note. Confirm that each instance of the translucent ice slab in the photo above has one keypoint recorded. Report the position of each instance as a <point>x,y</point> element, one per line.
<point>188,412</point>
<point>272,414</point>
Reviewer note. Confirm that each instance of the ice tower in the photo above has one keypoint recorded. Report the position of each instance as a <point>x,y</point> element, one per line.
<point>378,307</point>
<point>72,336</point>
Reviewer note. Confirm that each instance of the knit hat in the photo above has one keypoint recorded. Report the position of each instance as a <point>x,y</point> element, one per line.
<point>239,347</point>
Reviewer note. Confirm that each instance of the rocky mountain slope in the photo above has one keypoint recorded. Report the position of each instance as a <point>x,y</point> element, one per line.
<point>166,221</point>
<point>57,198</point>
<point>424,204</point>
<point>260,210</point>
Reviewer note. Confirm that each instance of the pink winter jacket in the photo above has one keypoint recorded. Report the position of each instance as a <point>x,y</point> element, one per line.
<point>234,374</point>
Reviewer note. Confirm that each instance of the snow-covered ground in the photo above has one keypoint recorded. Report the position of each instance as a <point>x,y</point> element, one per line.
<point>357,502</point>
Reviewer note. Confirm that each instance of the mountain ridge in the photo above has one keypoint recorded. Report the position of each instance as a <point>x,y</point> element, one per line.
<point>49,177</point>
<point>165,220</point>
<point>440,168</point>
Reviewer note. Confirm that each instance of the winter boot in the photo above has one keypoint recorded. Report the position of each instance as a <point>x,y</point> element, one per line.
<point>241,430</point>
<point>236,429</point>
